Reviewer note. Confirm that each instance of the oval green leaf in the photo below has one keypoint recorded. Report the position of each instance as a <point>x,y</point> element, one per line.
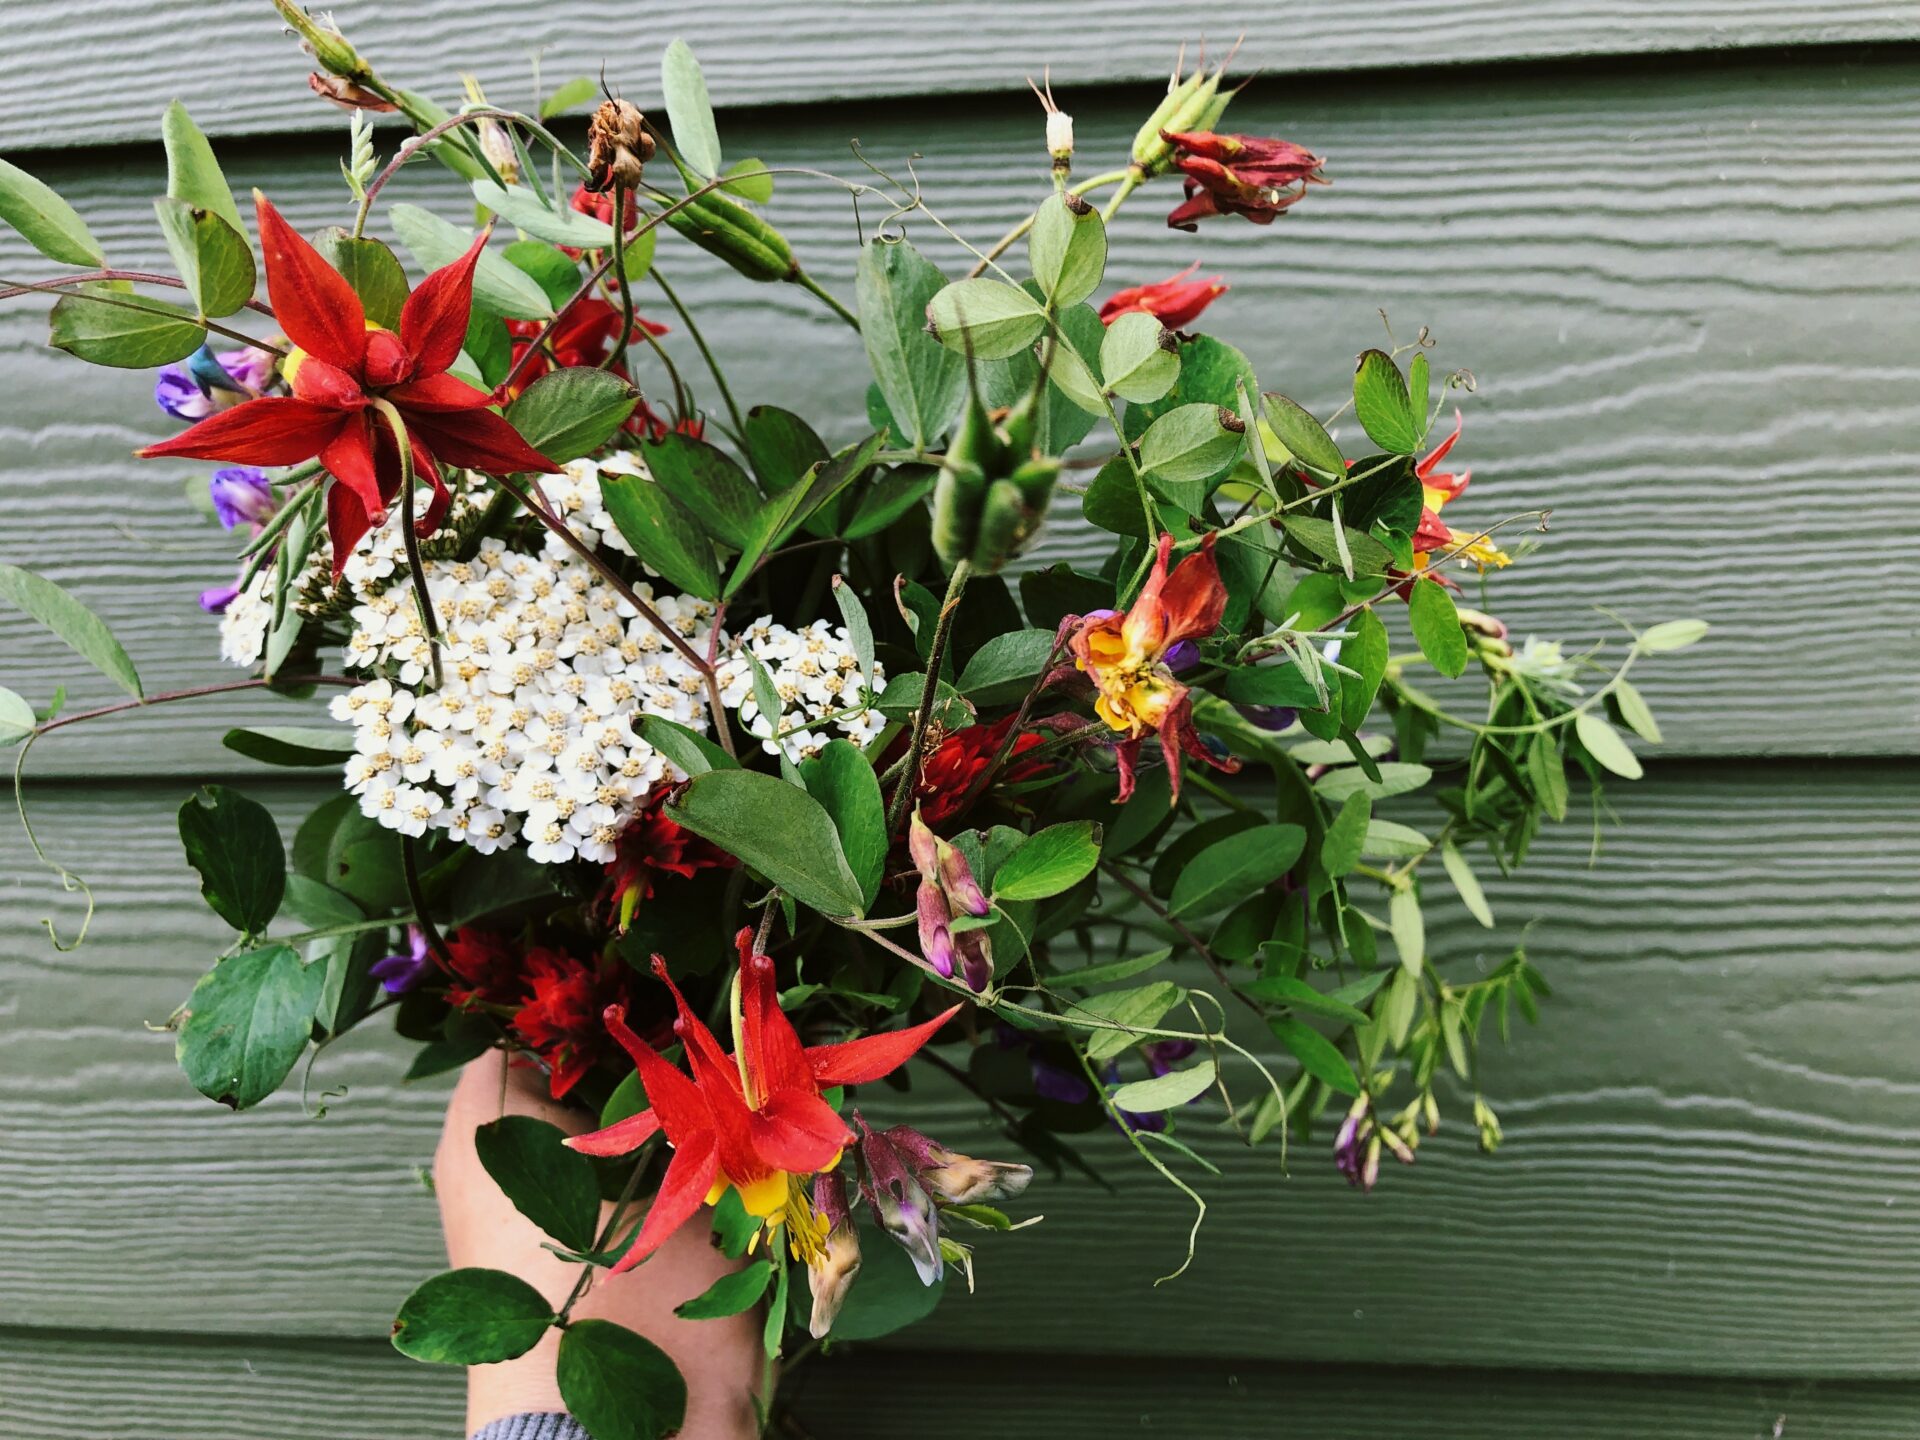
<point>1068,249</point>
<point>988,318</point>
<point>73,622</point>
<point>1229,870</point>
<point>778,829</point>
<point>620,1385</point>
<point>246,1023</point>
<point>572,412</point>
<point>1381,402</point>
<point>472,1317</point>
<point>552,1186</point>
<point>45,221</point>
<point>235,846</point>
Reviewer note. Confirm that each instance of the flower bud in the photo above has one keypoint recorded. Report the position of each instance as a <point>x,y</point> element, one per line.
<point>346,94</point>
<point>956,1179</point>
<point>240,494</point>
<point>830,1275</point>
<point>1059,136</point>
<point>904,1208</point>
<point>956,879</point>
<point>495,143</point>
<point>322,39</point>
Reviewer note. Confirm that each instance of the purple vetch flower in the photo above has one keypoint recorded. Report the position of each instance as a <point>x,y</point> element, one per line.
<point>1163,1055</point>
<point>955,1179</point>
<point>204,383</point>
<point>400,973</point>
<point>1269,717</point>
<point>1356,1149</point>
<point>830,1271</point>
<point>1056,1082</point>
<point>241,493</point>
<point>947,885</point>
<point>905,1210</point>
<point>1181,655</point>
<point>216,600</point>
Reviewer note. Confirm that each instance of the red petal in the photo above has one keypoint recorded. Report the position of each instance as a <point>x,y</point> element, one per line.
<point>349,459</point>
<point>439,393</point>
<point>855,1062</point>
<point>313,304</point>
<point>272,431</point>
<point>1127,756</point>
<point>798,1132</point>
<point>622,1137</point>
<point>683,1190</point>
<point>347,521</point>
<point>674,1098</point>
<point>775,1057</point>
<point>433,322</point>
<point>1193,597</point>
<point>479,440</point>
<point>428,520</point>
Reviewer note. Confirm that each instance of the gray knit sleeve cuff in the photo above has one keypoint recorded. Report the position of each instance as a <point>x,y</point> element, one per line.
<point>550,1425</point>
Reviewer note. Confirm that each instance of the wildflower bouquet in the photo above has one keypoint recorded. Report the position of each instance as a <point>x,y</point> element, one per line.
<point>720,772</point>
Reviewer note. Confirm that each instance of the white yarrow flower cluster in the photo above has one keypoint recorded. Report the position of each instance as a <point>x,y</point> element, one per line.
<point>816,674</point>
<point>246,620</point>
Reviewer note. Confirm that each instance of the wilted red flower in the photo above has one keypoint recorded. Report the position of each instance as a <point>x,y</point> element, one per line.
<point>947,775</point>
<point>562,1017</point>
<point>600,207</point>
<point>1239,175</point>
<point>341,369</point>
<point>1176,302</point>
<point>583,334</point>
<point>652,845</point>
<point>488,967</point>
<point>347,95</point>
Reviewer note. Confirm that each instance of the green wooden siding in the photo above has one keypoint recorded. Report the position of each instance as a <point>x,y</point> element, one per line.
<point>1679,287</point>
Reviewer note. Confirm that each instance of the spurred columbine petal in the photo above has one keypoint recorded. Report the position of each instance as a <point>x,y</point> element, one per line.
<point>274,431</point>
<point>1176,302</point>
<point>673,1097</point>
<point>313,304</point>
<point>775,1057</point>
<point>683,1190</point>
<point>433,322</point>
<point>855,1062</point>
<point>478,440</point>
<point>347,523</point>
<point>798,1132</point>
<point>622,1137</point>
<point>439,394</point>
<point>349,458</point>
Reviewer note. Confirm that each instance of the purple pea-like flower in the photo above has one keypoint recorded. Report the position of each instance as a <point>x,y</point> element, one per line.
<point>1163,1055</point>
<point>1181,655</point>
<point>400,973</point>
<point>901,1203</point>
<point>241,493</point>
<point>216,600</point>
<point>204,383</point>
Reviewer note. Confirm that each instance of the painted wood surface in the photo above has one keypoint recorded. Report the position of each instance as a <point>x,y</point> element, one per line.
<point>1692,346</point>
<point>110,1387</point>
<point>1710,1164</point>
<point>232,65</point>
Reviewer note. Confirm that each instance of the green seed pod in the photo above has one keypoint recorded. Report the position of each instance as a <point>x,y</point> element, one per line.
<point>737,235</point>
<point>1005,524</point>
<point>957,498</point>
<point>1186,108</point>
<point>1035,479</point>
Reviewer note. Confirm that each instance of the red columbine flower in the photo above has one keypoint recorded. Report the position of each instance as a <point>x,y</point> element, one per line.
<point>1126,658</point>
<point>340,367</point>
<point>583,335</point>
<point>600,207</point>
<point>487,966</point>
<point>948,774</point>
<point>753,1121</point>
<point>561,1019</point>
<point>1439,487</point>
<point>1176,302</point>
<point>654,844</point>
<point>1239,175</point>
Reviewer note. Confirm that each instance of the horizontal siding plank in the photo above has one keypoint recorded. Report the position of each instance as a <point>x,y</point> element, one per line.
<point>787,51</point>
<point>1711,1165</point>
<point>1688,347</point>
<point>109,1387</point>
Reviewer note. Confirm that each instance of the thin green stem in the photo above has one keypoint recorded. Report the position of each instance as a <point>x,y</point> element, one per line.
<point>923,717</point>
<point>422,599</point>
<point>808,283</point>
<point>1127,186</point>
<point>621,199</point>
<point>700,342</point>
<point>999,247</point>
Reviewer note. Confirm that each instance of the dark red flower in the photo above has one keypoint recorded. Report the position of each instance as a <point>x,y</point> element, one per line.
<point>948,774</point>
<point>1239,175</point>
<point>561,1019</point>
<point>1176,302</point>
<point>652,845</point>
<point>652,425</point>
<point>342,368</point>
<point>584,334</point>
<point>487,966</point>
<point>600,207</point>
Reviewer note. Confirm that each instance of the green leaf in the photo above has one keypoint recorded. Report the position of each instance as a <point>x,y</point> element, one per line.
<point>297,745</point>
<point>1381,402</point>
<point>1052,860</point>
<point>785,512</point>
<point>689,110</point>
<point>782,447</point>
<point>1316,537</point>
<point>212,257</point>
<point>104,326</point>
<point>193,175</point>
<point>1189,445</point>
<point>572,412</point>
<point>707,481</point>
<point>1305,438</point>
<point>577,91</point>
<point>1280,683</point>
<point>1317,1055</point>
<point>778,829</point>
<point>1436,626</point>
<point>1229,870</point>
<point>729,1295</point>
<point>921,380</point>
<point>694,753</point>
<point>662,532</point>
<point>1547,775</point>
<point>1604,744</point>
<point>1422,376</point>
<point>1068,249</point>
<point>1165,1092</point>
<point>371,268</point>
<point>1467,883</point>
<point>1136,1009</point>
<point>840,778</point>
<point>552,1186</point>
<point>1071,374</point>
<point>1139,358</point>
<point>234,844</point>
<point>1396,778</point>
<point>247,1022</point>
<point>859,629</point>
<point>750,180</point>
<point>1364,650</point>
<point>1109,972</point>
<point>498,286</point>
<point>521,208</point>
<point>1671,635</point>
<point>1633,709</point>
<point>45,221</point>
<point>1299,995</point>
<point>1408,929</point>
<point>1006,667</point>
<point>619,1385</point>
<point>1390,840</point>
<point>67,618</point>
<point>17,720</point>
<point>989,319</point>
<point>472,1317</point>
<point>1346,837</point>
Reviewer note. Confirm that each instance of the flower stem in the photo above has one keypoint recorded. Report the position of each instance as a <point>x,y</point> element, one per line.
<point>193,693</point>
<point>1110,177</point>
<point>621,199</point>
<point>808,283</point>
<point>700,341</point>
<point>936,651</point>
<point>421,597</point>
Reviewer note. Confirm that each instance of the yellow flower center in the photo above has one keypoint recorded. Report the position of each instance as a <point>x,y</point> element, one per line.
<point>781,1202</point>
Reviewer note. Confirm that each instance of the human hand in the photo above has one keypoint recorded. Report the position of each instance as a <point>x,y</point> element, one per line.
<point>721,1359</point>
